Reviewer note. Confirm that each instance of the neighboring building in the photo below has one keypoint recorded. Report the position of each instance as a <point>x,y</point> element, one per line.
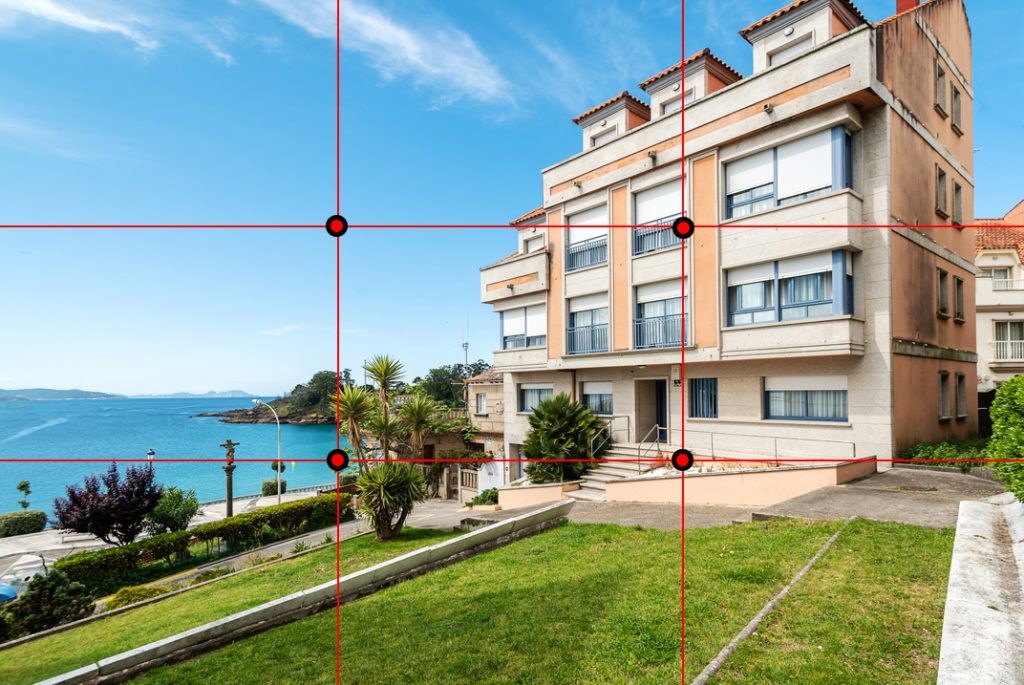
<point>819,321</point>
<point>999,245</point>
<point>485,404</point>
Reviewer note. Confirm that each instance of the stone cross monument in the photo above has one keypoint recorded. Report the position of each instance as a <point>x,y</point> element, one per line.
<point>229,468</point>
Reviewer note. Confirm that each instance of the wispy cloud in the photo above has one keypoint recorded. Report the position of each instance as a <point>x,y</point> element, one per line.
<point>283,330</point>
<point>20,133</point>
<point>87,17</point>
<point>441,57</point>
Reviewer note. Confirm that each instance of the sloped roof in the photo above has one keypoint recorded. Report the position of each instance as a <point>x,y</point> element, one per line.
<point>488,376</point>
<point>624,95</point>
<point>998,236</point>
<point>532,214</point>
<point>789,8</point>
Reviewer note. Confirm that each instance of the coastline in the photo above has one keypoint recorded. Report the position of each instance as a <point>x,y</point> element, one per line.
<point>252,416</point>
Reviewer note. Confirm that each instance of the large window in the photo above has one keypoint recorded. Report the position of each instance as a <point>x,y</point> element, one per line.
<point>795,171</point>
<point>532,394</point>
<point>659,315</point>
<point>818,398</point>
<point>654,210</point>
<point>588,324</point>
<point>804,287</point>
<point>588,239</point>
<point>1009,343</point>
<point>524,327</point>
<point>703,398</point>
<point>597,396</point>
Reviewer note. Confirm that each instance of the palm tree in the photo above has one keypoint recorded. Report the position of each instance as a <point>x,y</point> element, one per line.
<point>386,373</point>
<point>417,415</point>
<point>388,430</point>
<point>357,407</point>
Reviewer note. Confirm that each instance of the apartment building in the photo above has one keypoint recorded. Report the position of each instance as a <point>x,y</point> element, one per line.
<point>827,322</point>
<point>818,317</point>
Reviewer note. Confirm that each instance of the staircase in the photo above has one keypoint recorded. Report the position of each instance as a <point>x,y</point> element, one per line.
<point>596,480</point>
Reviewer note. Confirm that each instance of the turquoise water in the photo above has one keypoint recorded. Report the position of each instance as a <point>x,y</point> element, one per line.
<point>126,429</point>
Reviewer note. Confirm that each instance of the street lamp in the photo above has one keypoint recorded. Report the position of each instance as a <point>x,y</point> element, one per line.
<point>150,455</point>
<point>277,466</point>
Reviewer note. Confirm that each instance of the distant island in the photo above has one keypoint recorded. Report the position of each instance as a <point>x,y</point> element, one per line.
<point>231,394</point>
<point>75,394</point>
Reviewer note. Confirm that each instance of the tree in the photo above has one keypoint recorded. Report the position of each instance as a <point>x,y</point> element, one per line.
<point>564,430</point>
<point>346,378</point>
<point>358,407</point>
<point>386,373</point>
<point>115,513</point>
<point>387,494</point>
<point>1007,412</point>
<point>417,416</point>
<point>26,489</point>
<point>49,600</point>
<point>388,430</point>
<point>175,511</point>
<point>446,383</point>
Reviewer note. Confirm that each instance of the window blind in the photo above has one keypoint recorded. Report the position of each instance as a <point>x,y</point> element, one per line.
<point>597,388</point>
<point>664,290</point>
<point>537,320</point>
<point>805,165</point>
<point>749,172</point>
<point>754,273</point>
<point>590,223</point>
<point>595,301</point>
<point>805,264</point>
<point>513,322</point>
<point>805,383</point>
<point>659,202</point>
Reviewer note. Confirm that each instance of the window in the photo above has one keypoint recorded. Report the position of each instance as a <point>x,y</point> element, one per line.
<point>958,203</point>
<point>1009,343</point>
<point>799,170</point>
<point>703,398</point>
<point>659,315</point>
<point>654,210</point>
<point>481,403</point>
<point>958,299</point>
<point>597,396</point>
<point>956,121</point>
<point>788,52</point>
<point>588,238</point>
<point>602,138</point>
<point>532,394</point>
<point>961,396</point>
<point>688,96</point>
<point>534,244</point>
<point>943,290</point>
<point>804,287</point>
<point>1000,278</point>
<point>945,400</point>
<point>805,405</point>
<point>674,105</point>
<point>588,324</point>
<point>524,327</point>
<point>941,207</point>
<point>940,89</point>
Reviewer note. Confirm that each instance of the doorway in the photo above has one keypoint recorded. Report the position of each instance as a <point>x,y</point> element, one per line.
<point>651,409</point>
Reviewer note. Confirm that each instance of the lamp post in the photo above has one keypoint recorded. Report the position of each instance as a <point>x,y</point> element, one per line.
<point>277,465</point>
<point>150,455</point>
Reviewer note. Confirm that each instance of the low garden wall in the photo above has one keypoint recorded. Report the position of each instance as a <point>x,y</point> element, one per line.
<point>532,495</point>
<point>664,490</point>
<point>763,487</point>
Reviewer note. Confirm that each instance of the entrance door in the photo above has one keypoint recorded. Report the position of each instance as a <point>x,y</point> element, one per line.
<point>651,409</point>
<point>661,408</point>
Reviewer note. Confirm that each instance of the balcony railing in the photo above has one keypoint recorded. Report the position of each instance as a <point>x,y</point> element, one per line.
<point>655,235</point>
<point>1008,351</point>
<point>519,342</point>
<point>1007,284</point>
<point>659,331</point>
<point>586,339</point>
<point>587,253</point>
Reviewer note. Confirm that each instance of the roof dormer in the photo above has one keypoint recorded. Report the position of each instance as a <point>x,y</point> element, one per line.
<point>689,80</point>
<point>611,119</point>
<point>797,28</point>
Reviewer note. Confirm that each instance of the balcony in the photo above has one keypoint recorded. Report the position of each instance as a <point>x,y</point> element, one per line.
<point>658,331</point>
<point>999,292</point>
<point>520,274</point>
<point>588,253</point>
<point>1008,352</point>
<point>587,339</point>
<point>655,236</point>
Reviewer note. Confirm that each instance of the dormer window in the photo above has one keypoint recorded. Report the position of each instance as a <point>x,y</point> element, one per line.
<point>673,105</point>
<point>790,50</point>
<point>602,138</point>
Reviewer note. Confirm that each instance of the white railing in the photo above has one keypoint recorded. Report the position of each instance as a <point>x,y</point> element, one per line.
<point>1008,284</point>
<point>1008,350</point>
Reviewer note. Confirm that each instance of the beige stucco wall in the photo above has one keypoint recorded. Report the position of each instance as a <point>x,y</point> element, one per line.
<point>532,495</point>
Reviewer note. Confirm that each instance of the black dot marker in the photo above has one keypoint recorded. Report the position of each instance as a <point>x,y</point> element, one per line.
<point>682,459</point>
<point>683,227</point>
<point>337,225</point>
<point>337,460</point>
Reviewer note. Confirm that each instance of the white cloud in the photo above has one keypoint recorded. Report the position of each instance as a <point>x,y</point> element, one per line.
<point>19,133</point>
<point>441,57</point>
<point>283,330</point>
<point>85,17</point>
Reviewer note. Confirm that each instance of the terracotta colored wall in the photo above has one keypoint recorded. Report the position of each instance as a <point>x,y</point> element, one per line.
<point>838,27</point>
<point>625,161</point>
<point>633,120</point>
<point>556,301</point>
<point>916,401</point>
<point>620,316</point>
<point>913,186</point>
<point>704,279</point>
<point>714,83</point>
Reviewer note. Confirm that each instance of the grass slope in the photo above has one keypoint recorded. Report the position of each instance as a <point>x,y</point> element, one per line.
<point>81,646</point>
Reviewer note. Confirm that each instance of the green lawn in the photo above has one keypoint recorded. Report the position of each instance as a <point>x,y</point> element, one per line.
<point>81,646</point>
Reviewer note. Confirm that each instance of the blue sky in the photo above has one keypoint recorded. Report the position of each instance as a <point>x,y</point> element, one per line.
<point>139,111</point>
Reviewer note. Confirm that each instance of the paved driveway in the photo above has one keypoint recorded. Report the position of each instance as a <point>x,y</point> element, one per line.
<point>903,495</point>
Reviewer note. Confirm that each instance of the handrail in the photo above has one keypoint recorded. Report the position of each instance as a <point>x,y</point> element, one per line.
<point>610,437</point>
<point>656,429</point>
<point>712,452</point>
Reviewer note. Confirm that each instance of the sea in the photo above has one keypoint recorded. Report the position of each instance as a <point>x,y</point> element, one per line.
<point>108,429</point>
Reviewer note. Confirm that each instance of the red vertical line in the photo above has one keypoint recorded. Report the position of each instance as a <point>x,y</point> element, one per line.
<point>337,576</point>
<point>337,109</point>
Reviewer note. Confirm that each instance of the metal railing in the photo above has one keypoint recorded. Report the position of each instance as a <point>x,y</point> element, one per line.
<point>1008,284</point>
<point>584,339</point>
<point>587,253</point>
<point>607,437</point>
<point>1008,350</point>
<point>655,235</point>
<point>661,434</point>
<point>814,447</point>
<point>658,331</point>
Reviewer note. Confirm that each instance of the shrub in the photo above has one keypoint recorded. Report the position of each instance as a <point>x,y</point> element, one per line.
<point>563,429</point>
<point>49,600</point>
<point>387,494</point>
<point>488,496</point>
<point>132,594</point>
<point>173,512</point>
<point>210,574</point>
<point>269,488</point>
<point>1007,412</point>
<point>115,513</point>
<point>299,547</point>
<point>958,453</point>
<point>22,523</point>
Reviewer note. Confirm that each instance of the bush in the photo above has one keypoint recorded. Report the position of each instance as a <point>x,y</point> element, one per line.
<point>387,494</point>
<point>210,574</point>
<point>1007,412</point>
<point>955,453</point>
<point>50,600</point>
<point>563,429</point>
<point>132,594</point>
<point>299,547</point>
<point>22,523</point>
<point>116,512</point>
<point>488,496</point>
<point>269,488</point>
<point>173,512</point>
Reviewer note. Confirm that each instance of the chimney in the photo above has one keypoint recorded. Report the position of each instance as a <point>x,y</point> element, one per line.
<point>904,5</point>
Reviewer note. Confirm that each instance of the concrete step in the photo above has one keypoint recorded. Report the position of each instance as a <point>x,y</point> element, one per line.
<point>595,484</point>
<point>617,470</point>
<point>587,494</point>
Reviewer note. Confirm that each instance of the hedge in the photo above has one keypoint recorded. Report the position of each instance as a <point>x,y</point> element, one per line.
<point>106,570</point>
<point>1007,412</point>
<point>22,523</point>
<point>132,594</point>
<point>269,487</point>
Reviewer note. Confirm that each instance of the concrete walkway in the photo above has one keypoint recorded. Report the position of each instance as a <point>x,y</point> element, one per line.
<point>903,495</point>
